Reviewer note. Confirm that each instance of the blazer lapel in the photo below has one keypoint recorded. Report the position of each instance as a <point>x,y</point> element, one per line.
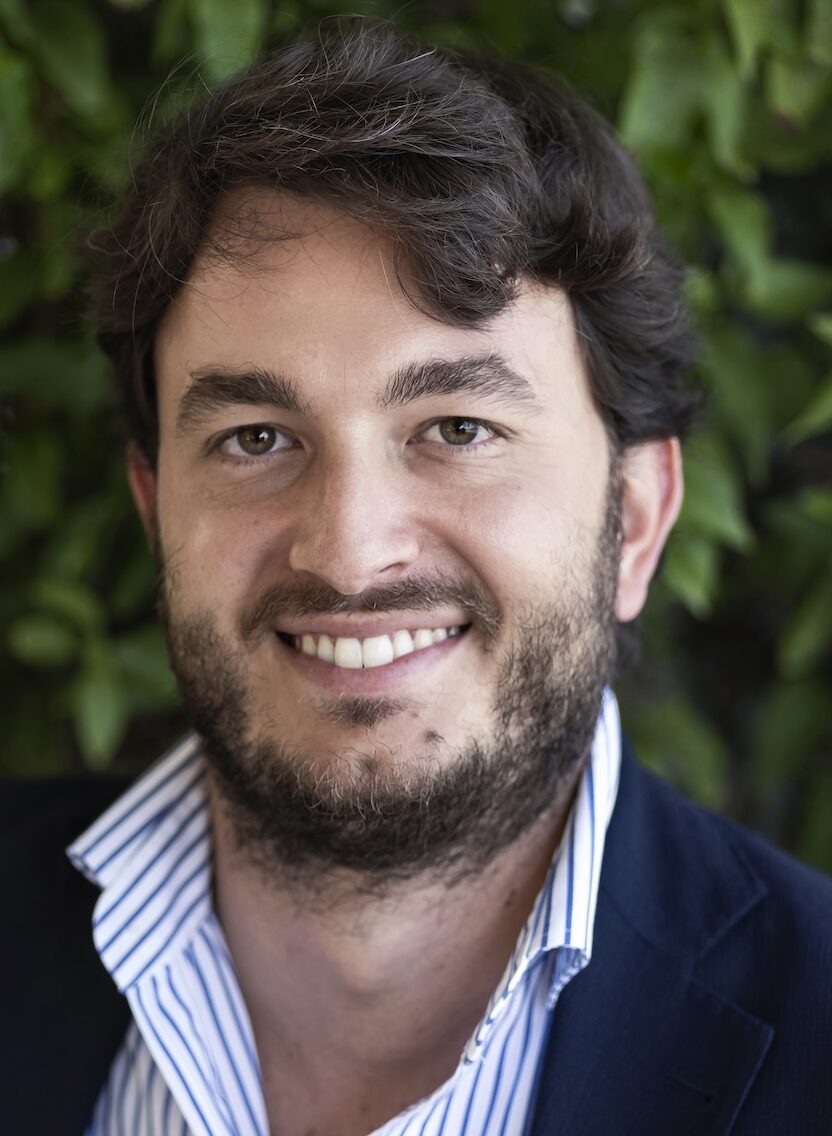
<point>639,1046</point>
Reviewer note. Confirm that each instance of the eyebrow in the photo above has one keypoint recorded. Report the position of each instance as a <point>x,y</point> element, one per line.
<point>484,376</point>
<point>212,389</point>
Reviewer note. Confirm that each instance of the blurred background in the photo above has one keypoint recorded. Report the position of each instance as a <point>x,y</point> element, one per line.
<point>727,106</point>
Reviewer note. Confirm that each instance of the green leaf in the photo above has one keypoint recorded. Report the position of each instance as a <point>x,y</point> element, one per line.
<point>691,571</point>
<point>815,503</point>
<point>73,600</point>
<point>815,840</point>
<point>788,722</point>
<point>170,32</point>
<point>734,364</point>
<point>796,89</point>
<point>70,47</point>
<point>803,523</point>
<point>748,32</point>
<point>815,419</point>
<point>70,377</point>
<point>780,289</point>
<point>227,35</point>
<point>758,24</point>
<point>135,584</point>
<point>14,19</point>
<point>809,635</point>
<point>790,378</point>
<point>99,707</point>
<point>701,290</point>
<point>744,224</point>
<point>32,479</point>
<point>506,24</point>
<point>75,545</point>
<point>821,325</point>
<point>16,128</point>
<point>41,641</point>
<point>788,289</point>
<point>819,31</point>
<point>143,662</point>
<point>287,23</point>
<point>713,505</point>
<point>19,281</point>
<point>664,93</point>
<point>682,744</point>
<point>725,105</point>
<point>49,174</point>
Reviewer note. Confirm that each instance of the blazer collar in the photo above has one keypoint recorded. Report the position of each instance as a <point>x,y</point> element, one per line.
<point>639,1046</point>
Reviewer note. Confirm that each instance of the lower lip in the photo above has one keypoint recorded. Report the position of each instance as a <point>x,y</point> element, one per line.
<point>372,680</point>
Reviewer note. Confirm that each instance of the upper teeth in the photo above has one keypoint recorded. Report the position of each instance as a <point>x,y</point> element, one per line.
<point>375,651</point>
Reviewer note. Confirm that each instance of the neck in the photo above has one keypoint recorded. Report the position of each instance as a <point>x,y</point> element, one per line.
<point>425,952</point>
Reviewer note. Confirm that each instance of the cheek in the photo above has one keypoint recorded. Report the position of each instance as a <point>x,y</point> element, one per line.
<point>214,548</point>
<point>507,534</point>
<point>532,537</point>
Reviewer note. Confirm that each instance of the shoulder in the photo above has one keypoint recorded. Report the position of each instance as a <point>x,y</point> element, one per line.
<point>691,833</point>
<point>698,884</point>
<point>775,961</point>
<point>764,919</point>
<point>789,933</point>
<point>786,880</point>
<point>38,819</point>
<point>58,1000</point>
<point>747,923</point>
<point>29,803</point>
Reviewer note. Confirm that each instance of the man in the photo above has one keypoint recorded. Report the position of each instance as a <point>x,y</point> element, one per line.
<point>402,358</point>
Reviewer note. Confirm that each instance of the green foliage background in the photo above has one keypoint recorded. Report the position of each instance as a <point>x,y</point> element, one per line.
<point>727,105</point>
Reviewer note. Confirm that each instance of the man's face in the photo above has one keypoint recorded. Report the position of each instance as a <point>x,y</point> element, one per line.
<point>339,475</point>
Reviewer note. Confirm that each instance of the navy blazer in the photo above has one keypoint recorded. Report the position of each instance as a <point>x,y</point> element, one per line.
<point>706,1008</point>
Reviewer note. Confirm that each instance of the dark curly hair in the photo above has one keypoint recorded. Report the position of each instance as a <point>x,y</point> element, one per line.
<point>482,171</point>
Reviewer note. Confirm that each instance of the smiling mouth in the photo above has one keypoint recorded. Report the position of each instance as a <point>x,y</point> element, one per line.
<point>374,651</point>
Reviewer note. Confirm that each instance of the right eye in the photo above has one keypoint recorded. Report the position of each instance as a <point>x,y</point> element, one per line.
<point>253,442</point>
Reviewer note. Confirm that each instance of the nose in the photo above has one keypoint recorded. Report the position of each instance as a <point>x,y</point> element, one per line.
<point>355,527</point>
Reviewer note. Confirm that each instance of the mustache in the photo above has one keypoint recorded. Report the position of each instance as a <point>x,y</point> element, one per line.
<point>418,593</point>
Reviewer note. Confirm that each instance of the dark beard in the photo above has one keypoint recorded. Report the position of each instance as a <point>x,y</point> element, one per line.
<point>307,815</point>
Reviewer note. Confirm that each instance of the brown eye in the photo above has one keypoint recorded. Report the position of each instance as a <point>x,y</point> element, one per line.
<point>256,440</point>
<point>458,431</point>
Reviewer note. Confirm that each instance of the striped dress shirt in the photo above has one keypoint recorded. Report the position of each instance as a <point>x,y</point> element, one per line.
<point>188,1065</point>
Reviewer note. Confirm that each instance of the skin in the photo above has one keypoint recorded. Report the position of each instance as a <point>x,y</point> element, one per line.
<point>362,497</point>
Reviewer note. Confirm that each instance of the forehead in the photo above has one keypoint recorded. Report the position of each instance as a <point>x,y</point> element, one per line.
<point>294,285</point>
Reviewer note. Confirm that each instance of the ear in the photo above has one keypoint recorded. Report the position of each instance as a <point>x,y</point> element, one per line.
<point>141,476</point>
<point>651,497</point>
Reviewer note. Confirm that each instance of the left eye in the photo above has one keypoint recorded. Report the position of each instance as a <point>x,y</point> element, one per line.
<point>459,431</point>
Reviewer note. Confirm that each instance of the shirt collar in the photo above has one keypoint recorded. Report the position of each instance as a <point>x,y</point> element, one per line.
<point>150,852</point>
<point>563,916</point>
